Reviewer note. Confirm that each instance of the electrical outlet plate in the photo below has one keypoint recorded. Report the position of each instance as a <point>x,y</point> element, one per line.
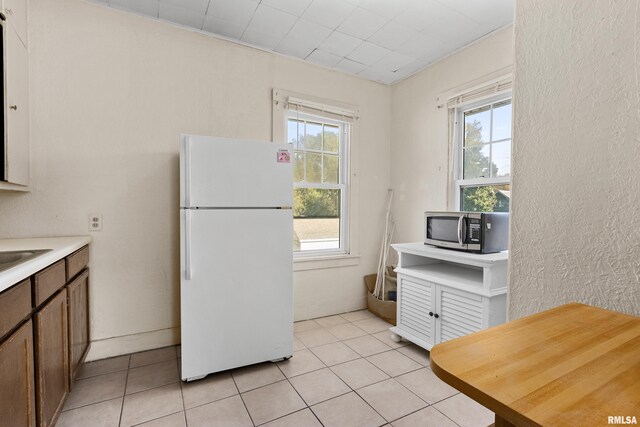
<point>95,222</point>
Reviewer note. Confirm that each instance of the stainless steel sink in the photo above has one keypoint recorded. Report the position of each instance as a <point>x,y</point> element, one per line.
<point>9,259</point>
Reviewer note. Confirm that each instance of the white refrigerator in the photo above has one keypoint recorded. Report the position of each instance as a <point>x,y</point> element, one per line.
<point>236,253</point>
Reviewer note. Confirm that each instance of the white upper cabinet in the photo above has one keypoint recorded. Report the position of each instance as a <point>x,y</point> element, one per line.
<point>16,96</point>
<point>15,12</point>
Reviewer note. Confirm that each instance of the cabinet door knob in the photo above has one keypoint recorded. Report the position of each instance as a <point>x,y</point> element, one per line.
<point>14,107</point>
<point>431,313</point>
<point>436,315</point>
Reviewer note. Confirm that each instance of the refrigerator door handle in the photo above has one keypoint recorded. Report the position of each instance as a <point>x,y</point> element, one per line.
<point>187,244</point>
<point>187,172</point>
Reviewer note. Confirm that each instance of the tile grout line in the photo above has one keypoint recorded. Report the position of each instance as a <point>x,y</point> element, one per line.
<point>124,392</point>
<point>184,407</point>
<point>242,400</point>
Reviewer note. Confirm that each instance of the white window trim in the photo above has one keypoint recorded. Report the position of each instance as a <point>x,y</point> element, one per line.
<point>311,260</point>
<point>457,141</point>
<point>343,185</point>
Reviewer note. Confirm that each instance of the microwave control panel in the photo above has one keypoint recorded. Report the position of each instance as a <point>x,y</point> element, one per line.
<point>474,230</point>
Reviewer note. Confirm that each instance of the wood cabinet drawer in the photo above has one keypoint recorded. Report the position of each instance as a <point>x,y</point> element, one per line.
<point>15,305</point>
<point>48,281</point>
<point>77,261</point>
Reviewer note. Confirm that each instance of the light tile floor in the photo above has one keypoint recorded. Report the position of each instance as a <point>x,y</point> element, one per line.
<point>345,372</point>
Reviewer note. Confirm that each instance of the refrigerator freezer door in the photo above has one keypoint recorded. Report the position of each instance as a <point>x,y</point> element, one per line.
<point>236,308</point>
<point>221,172</point>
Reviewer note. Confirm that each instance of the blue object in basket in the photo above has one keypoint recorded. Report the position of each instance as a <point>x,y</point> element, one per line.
<point>392,295</point>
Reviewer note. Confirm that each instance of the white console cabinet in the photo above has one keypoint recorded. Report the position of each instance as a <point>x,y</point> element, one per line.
<point>444,294</point>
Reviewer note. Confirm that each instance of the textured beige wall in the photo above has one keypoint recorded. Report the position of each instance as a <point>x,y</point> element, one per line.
<point>110,94</point>
<point>420,163</point>
<point>575,233</point>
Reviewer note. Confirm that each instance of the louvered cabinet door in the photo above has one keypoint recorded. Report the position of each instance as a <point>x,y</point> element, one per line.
<point>460,313</point>
<point>416,301</point>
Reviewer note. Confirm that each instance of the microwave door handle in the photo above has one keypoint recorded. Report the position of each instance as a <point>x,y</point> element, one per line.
<point>460,233</point>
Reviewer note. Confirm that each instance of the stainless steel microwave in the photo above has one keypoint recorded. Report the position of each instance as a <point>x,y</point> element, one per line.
<point>480,232</point>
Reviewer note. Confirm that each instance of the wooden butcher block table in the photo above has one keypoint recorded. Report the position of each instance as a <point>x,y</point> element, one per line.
<point>573,365</point>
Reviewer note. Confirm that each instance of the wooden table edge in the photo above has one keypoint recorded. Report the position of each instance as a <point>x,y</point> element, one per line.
<point>505,416</point>
<point>502,410</point>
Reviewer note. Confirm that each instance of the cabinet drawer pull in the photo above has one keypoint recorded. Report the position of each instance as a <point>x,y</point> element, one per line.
<point>14,107</point>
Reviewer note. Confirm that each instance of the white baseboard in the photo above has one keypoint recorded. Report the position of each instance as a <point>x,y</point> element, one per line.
<point>117,346</point>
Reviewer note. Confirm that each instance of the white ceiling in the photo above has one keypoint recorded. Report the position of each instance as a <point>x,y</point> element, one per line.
<point>381,40</point>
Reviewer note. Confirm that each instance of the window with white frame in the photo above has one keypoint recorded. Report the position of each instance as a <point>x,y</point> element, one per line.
<point>320,150</point>
<point>482,165</point>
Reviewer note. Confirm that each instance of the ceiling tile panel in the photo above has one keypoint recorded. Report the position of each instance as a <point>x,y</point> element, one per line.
<point>350,66</point>
<point>378,75</point>
<point>392,35</point>
<point>385,8</point>
<point>455,29</point>
<point>271,21</point>
<point>308,32</point>
<point>199,6</point>
<point>362,24</point>
<point>293,48</point>
<point>223,27</point>
<point>328,13</point>
<point>323,58</point>
<point>260,39</point>
<point>421,45</point>
<point>145,7</point>
<point>180,15</point>
<point>393,62</point>
<point>294,7</point>
<point>303,38</point>
<point>421,13</point>
<point>368,53</point>
<point>494,13</point>
<point>237,11</point>
<point>340,44</point>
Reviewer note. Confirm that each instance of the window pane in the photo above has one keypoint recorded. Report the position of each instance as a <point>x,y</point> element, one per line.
<point>331,168</point>
<point>502,121</point>
<point>314,167</point>
<point>489,198</point>
<point>313,136</point>
<point>477,124</point>
<point>501,158</point>
<point>476,161</point>
<point>295,132</point>
<point>316,219</point>
<point>298,166</point>
<point>331,138</point>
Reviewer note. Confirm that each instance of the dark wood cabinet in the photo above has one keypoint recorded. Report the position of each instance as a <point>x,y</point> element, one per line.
<point>78,298</point>
<point>17,396</point>
<point>52,358</point>
<point>44,338</point>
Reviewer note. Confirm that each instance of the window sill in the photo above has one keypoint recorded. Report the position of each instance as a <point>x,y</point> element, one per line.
<point>328,261</point>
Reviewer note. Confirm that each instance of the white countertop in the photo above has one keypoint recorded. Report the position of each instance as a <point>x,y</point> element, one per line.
<point>60,248</point>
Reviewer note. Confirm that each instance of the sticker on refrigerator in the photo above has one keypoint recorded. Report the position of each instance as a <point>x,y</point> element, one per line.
<point>284,156</point>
